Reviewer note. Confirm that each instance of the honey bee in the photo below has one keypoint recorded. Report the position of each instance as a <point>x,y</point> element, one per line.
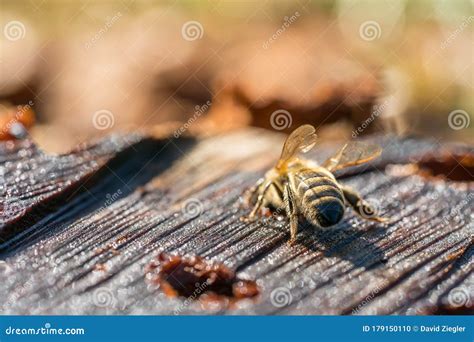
<point>300,186</point>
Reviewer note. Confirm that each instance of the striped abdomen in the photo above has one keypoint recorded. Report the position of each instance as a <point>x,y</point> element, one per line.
<point>321,197</point>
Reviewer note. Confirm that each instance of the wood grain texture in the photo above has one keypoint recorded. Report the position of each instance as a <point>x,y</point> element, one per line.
<point>33,181</point>
<point>88,255</point>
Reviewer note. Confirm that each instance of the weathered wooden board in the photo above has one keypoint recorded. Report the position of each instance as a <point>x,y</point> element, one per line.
<point>32,181</point>
<point>88,255</point>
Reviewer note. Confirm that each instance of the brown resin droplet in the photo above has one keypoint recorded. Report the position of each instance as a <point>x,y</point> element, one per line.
<point>451,166</point>
<point>194,277</point>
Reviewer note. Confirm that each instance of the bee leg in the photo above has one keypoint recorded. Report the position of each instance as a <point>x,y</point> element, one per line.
<point>251,192</point>
<point>260,199</point>
<point>291,212</point>
<point>361,207</point>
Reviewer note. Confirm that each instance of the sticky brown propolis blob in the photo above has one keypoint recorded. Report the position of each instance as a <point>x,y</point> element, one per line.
<point>193,277</point>
<point>451,166</point>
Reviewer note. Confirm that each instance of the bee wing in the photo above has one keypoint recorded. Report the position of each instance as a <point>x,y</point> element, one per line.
<point>351,154</point>
<point>301,140</point>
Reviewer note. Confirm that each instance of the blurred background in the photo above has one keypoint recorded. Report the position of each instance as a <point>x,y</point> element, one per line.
<point>75,70</point>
